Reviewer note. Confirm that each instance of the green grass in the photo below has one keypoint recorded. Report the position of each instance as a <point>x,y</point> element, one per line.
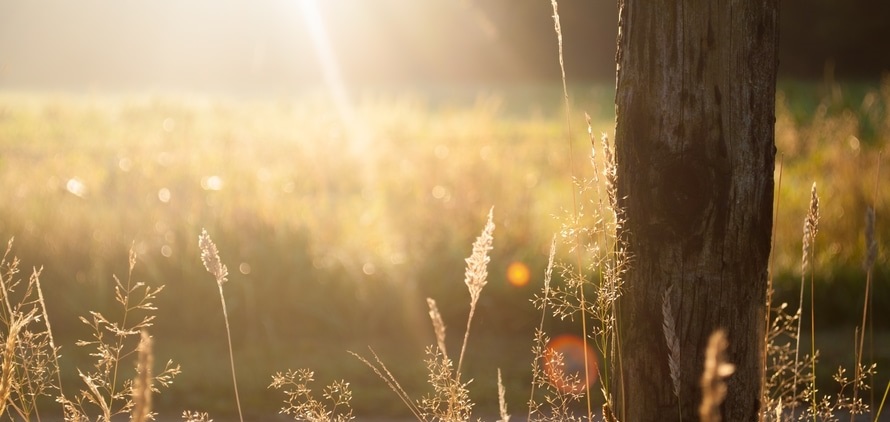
<point>334,245</point>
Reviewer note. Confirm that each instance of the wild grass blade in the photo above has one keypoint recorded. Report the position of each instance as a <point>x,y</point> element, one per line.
<point>210,258</point>
<point>558,28</point>
<point>476,277</point>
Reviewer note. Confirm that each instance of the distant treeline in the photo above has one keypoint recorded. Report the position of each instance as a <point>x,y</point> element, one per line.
<point>850,37</point>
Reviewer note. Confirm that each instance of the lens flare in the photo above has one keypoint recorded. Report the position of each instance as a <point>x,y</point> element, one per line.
<point>564,364</point>
<point>518,274</point>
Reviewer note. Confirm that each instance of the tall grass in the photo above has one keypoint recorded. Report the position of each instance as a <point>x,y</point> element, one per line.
<point>210,258</point>
<point>30,367</point>
<point>348,255</point>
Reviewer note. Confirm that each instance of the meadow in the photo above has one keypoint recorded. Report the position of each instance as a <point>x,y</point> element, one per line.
<point>335,230</point>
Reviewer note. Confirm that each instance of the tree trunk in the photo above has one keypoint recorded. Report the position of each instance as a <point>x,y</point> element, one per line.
<point>695,151</point>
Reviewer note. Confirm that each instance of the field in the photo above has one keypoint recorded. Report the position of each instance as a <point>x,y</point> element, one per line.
<point>336,225</point>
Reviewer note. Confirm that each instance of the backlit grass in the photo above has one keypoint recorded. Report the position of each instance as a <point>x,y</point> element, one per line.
<point>335,235</point>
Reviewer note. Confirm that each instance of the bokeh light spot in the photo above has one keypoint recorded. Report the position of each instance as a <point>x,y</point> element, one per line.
<point>369,268</point>
<point>439,192</point>
<point>164,195</point>
<point>244,268</point>
<point>212,183</point>
<point>76,187</point>
<point>564,364</point>
<point>167,251</point>
<point>518,274</point>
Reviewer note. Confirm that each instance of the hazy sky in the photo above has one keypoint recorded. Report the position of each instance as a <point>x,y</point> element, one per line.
<point>267,46</point>
<point>213,44</point>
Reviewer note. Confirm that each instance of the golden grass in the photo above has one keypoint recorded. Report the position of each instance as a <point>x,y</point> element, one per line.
<point>575,206</point>
<point>450,400</point>
<point>210,258</point>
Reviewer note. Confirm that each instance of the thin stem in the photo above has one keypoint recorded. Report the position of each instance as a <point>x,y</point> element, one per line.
<point>883,400</point>
<point>540,333</point>
<point>769,284</point>
<point>463,347</point>
<point>813,326</point>
<point>531,399</point>
<point>583,304</point>
<point>871,325</point>
<point>222,300</point>
<point>49,332</point>
<point>797,346</point>
<point>861,339</point>
<point>120,340</point>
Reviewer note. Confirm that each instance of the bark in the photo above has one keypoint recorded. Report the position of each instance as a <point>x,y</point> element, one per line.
<point>695,151</point>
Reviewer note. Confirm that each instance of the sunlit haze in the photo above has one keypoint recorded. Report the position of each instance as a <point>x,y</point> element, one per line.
<point>273,46</point>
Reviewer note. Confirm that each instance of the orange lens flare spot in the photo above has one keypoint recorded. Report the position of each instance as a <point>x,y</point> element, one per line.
<point>564,364</point>
<point>518,274</point>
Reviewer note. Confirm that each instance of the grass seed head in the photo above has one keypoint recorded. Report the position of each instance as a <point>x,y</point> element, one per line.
<point>438,325</point>
<point>210,258</point>
<point>477,264</point>
<point>810,227</point>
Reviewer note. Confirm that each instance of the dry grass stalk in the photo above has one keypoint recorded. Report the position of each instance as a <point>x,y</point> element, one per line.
<point>33,373</point>
<point>712,380</point>
<point>49,331</point>
<point>94,396</point>
<point>609,277</point>
<point>871,252</point>
<point>450,399</point>
<point>438,325</point>
<point>502,401</point>
<point>538,348</point>
<point>548,273</point>
<point>476,277</point>
<point>810,228</point>
<point>564,388</point>
<point>608,414</point>
<point>194,416</point>
<point>301,404</point>
<point>871,243</point>
<point>610,173</point>
<point>673,342</point>
<point>102,390</point>
<point>871,256</point>
<point>210,258</point>
<point>8,379</point>
<point>557,27</point>
<point>883,400</point>
<point>142,384</point>
<point>383,373</point>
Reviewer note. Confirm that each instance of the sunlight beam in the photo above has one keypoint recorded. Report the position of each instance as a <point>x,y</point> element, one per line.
<point>333,77</point>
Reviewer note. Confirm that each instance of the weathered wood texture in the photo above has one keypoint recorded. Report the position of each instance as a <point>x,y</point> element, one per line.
<point>695,151</point>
